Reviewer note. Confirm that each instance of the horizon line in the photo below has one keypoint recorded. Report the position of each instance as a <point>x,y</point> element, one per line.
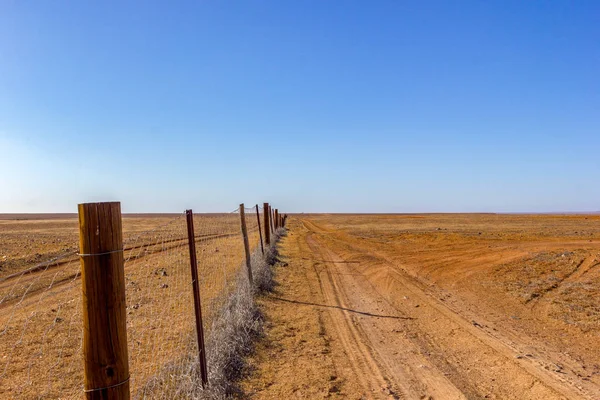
<point>52,215</point>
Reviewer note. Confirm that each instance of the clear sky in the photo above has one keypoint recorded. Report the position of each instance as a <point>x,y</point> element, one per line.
<point>315,106</point>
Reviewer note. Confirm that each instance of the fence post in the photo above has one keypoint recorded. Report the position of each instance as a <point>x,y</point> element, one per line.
<point>266,218</point>
<point>276,219</point>
<point>106,364</point>
<point>271,219</point>
<point>259,230</point>
<point>196,289</point>
<point>246,244</point>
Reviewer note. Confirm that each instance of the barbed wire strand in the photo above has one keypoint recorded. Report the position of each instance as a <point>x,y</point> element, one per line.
<point>40,307</point>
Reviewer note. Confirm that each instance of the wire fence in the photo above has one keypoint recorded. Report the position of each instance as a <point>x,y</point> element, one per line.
<point>41,329</point>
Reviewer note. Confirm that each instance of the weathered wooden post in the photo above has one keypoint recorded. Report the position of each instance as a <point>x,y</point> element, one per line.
<point>271,219</point>
<point>106,364</point>
<point>246,244</point>
<point>266,218</point>
<point>196,290</point>
<point>276,219</point>
<point>262,248</point>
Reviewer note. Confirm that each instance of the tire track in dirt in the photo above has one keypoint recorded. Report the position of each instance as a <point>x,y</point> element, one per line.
<point>544,292</point>
<point>350,335</point>
<point>583,267</point>
<point>34,273</point>
<point>551,366</point>
<point>478,364</point>
<point>384,365</point>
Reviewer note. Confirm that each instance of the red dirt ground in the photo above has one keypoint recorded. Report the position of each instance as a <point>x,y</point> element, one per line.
<point>434,307</point>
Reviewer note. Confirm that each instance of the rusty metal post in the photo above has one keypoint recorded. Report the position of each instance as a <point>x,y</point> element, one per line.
<point>197,304</point>
<point>259,230</point>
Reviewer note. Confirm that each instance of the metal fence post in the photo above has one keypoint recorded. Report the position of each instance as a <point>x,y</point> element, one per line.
<point>197,304</point>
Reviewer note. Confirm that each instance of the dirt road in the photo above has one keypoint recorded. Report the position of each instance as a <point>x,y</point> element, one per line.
<point>359,319</point>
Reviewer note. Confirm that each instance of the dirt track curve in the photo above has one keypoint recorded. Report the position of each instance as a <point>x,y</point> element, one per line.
<point>392,335</point>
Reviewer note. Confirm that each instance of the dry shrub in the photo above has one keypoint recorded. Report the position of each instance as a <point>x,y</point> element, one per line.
<point>262,271</point>
<point>272,253</point>
<point>230,339</point>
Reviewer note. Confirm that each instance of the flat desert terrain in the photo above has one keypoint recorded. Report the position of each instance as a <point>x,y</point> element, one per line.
<point>41,325</point>
<point>438,306</point>
<point>28,239</point>
<point>432,306</point>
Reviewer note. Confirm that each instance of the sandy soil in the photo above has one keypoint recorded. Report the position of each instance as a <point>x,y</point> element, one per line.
<point>434,307</point>
<point>29,239</point>
<point>40,298</point>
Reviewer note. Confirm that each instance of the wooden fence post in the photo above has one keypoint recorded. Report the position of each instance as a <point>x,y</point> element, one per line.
<point>246,244</point>
<point>106,364</point>
<point>276,219</point>
<point>262,248</point>
<point>196,290</point>
<point>271,219</point>
<point>266,220</point>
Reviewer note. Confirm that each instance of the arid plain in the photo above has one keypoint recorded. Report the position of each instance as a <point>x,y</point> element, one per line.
<point>434,306</point>
<point>41,308</point>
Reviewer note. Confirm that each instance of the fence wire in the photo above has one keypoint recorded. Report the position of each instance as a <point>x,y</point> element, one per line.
<point>41,306</point>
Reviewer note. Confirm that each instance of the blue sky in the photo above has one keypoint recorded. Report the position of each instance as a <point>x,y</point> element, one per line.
<point>315,106</point>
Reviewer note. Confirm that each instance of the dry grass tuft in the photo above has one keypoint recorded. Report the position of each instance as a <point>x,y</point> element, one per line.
<point>230,339</point>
